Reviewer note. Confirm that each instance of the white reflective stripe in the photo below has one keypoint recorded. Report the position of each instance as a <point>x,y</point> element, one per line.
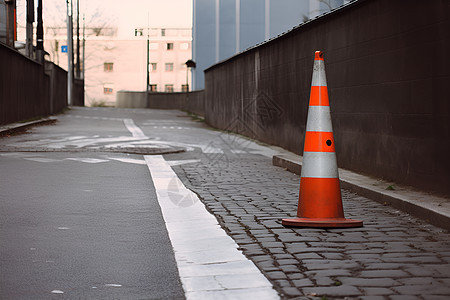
<point>319,78</point>
<point>319,119</point>
<point>319,165</point>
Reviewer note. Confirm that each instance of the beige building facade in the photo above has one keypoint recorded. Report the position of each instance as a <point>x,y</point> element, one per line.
<point>113,64</point>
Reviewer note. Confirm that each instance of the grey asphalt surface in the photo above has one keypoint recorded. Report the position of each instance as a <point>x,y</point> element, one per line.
<point>81,223</point>
<point>394,256</point>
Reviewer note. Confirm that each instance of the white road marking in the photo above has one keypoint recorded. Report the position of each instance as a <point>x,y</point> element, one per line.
<point>209,262</point>
<point>135,131</point>
<point>89,160</point>
<point>182,162</point>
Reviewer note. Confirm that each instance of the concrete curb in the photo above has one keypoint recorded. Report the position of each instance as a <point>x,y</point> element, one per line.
<point>431,208</point>
<point>11,128</point>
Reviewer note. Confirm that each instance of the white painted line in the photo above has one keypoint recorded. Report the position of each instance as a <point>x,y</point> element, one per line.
<point>208,260</point>
<point>135,131</point>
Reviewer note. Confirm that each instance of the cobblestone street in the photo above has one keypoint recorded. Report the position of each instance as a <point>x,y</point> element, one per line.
<point>394,256</point>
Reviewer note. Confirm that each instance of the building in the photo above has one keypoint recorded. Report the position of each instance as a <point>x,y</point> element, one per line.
<point>223,28</point>
<point>115,63</point>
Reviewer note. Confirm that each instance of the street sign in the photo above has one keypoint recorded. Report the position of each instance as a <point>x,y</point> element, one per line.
<point>64,49</point>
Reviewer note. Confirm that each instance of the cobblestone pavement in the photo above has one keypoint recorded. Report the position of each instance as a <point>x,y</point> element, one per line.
<point>394,256</point>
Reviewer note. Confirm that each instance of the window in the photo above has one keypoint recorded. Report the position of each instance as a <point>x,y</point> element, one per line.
<point>138,32</point>
<point>163,32</point>
<point>169,67</point>
<point>169,46</point>
<point>108,66</point>
<point>169,88</point>
<point>185,88</point>
<point>108,89</point>
<point>153,67</point>
<point>153,88</point>
<point>184,46</point>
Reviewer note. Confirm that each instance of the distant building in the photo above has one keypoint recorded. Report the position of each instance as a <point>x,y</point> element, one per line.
<point>223,28</point>
<point>114,64</point>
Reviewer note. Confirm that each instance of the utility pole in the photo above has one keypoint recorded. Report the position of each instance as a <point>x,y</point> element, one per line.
<point>29,29</point>
<point>69,52</point>
<point>77,70</point>
<point>148,53</point>
<point>10,22</point>
<point>40,34</point>
<point>84,44</point>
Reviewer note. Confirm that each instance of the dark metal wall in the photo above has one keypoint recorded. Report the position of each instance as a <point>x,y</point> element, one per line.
<point>192,102</point>
<point>26,89</point>
<point>387,66</point>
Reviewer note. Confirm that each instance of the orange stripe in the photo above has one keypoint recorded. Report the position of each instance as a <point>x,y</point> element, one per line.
<point>318,55</point>
<point>319,96</point>
<point>320,198</point>
<point>316,141</point>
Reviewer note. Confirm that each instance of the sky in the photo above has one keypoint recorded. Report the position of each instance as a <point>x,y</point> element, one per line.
<point>126,14</point>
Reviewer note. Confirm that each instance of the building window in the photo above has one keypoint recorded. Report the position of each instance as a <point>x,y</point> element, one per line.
<point>185,88</point>
<point>169,67</point>
<point>138,32</point>
<point>153,67</point>
<point>169,88</point>
<point>163,32</point>
<point>108,89</point>
<point>169,46</point>
<point>153,88</point>
<point>108,66</point>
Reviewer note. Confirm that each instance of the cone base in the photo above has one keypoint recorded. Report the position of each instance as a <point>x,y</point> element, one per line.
<point>322,222</point>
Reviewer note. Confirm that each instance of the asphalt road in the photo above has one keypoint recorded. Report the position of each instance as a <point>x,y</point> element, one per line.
<point>79,219</point>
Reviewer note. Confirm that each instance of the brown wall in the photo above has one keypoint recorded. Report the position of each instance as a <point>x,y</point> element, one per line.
<point>27,89</point>
<point>387,69</point>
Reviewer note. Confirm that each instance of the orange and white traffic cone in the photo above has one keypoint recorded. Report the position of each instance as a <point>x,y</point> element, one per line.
<point>320,202</point>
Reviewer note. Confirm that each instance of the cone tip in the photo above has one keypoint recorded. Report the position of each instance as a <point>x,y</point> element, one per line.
<point>319,55</point>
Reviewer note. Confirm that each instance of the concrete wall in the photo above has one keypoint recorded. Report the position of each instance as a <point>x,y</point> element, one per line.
<point>129,99</point>
<point>192,102</point>
<point>28,89</point>
<point>388,79</point>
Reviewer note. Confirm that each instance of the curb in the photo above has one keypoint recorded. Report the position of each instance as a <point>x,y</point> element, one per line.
<point>15,127</point>
<point>431,208</point>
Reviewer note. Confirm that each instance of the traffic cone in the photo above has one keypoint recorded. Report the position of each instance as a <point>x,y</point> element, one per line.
<point>320,202</point>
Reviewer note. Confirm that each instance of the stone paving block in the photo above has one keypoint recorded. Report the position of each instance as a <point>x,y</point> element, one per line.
<point>417,280</point>
<point>335,291</point>
<point>276,275</point>
<point>435,297</point>
<point>404,297</point>
<point>383,273</point>
<point>287,261</point>
<point>302,282</point>
<point>420,271</point>
<point>377,291</point>
<point>429,289</point>
<point>289,269</point>
<point>324,280</point>
<point>291,292</point>
<point>333,272</point>
<point>283,283</point>
<point>414,260</point>
<point>372,298</point>
<point>302,256</point>
<point>293,276</point>
<point>369,282</point>
<point>332,255</point>
<point>314,264</point>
